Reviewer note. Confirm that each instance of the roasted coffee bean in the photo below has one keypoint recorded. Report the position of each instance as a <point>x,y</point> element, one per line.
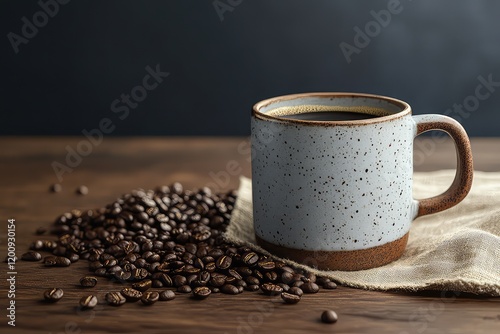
<point>82,190</point>
<point>290,298</point>
<point>214,289</point>
<point>179,280</point>
<point>270,276</point>
<point>88,281</point>
<point>139,274</point>
<point>266,264</point>
<point>167,295</point>
<point>41,230</point>
<point>201,292</point>
<point>73,257</point>
<point>53,295</point>
<point>287,277</point>
<point>142,285</point>
<point>115,299</point>
<point>131,295</point>
<point>223,262</point>
<point>57,261</point>
<point>184,289</point>
<point>31,256</point>
<point>271,289</point>
<point>250,258</point>
<point>55,188</point>
<point>296,291</point>
<point>284,286</point>
<point>234,274</point>
<point>122,276</point>
<point>217,280</point>
<point>252,287</point>
<point>329,285</point>
<point>310,287</point>
<point>88,302</point>
<point>252,280</point>
<point>229,289</point>
<point>329,317</point>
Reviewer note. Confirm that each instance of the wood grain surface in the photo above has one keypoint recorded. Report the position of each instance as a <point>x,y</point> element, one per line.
<point>117,166</point>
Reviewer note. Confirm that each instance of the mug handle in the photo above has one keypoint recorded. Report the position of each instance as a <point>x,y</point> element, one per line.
<point>465,170</point>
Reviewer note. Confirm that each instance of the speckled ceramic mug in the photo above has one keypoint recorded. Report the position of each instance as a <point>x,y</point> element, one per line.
<point>338,194</point>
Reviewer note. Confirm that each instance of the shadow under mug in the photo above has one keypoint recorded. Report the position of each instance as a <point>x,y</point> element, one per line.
<point>337,195</point>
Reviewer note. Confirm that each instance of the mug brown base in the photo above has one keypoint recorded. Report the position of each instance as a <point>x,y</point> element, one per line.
<point>341,260</point>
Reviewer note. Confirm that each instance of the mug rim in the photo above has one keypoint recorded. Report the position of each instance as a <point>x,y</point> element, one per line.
<point>405,109</point>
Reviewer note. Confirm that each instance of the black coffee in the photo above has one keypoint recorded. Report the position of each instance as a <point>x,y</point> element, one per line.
<point>330,116</point>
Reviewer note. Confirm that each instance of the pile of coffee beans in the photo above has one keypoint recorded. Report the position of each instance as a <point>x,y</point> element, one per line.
<point>165,240</point>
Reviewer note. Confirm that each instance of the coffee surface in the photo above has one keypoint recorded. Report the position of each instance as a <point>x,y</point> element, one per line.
<point>330,116</point>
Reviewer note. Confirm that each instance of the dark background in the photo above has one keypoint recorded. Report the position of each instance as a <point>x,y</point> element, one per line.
<point>66,77</point>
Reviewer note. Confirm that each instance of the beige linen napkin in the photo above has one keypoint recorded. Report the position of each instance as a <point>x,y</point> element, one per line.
<point>456,250</point>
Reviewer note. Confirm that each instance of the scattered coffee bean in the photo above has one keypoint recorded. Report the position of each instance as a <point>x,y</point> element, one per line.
<point>31,256</point>
<point>329,285</point>
<point>88,281</point>
<point>271,289</point>
<point>310,287</point>
<point>229,289</point>
<point>115,299</point>
<point>131,295</point>
<point>82,190</point>
<point>150,297</point>
<point>167,295</point>
<point>53,295</point>
<point>41,230</point>
<point>329,317</point>
<point>296,291</point>
<point>88,302</point>
<point>55,188</point>
<point>142,285</point>
<point>290,298</point>
<point>184,289</point>
<point>169,237</point>
<point>201,292</point>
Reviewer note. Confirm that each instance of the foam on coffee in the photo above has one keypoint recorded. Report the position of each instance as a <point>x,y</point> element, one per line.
<point>309,108</point>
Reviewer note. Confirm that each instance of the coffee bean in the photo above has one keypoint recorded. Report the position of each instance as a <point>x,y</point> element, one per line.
<point>296,291</point>
<point>201,292</point>
<point>142,285</point>
<point>88,281</point>
<point>266,264</point>
<point>250,258</point>
<point>56,261</point>
<point>252,287</point>
<point>271,289</point>
<point>167,295</point>
<point>88,302</point>
<point>290,298</point>
<point>184,289</point>
<point>329,285</point>
<point>82,190</point>
<point>229,289</point>
<point>329,317</point>
<point>287,277</point>
<point>131,295</point>
<point>31,256</point>
<point>223,262</point>
<point>53,295</point>
<point>150,297</point>
<point>41,230</point>
<point>310,287</point>
<point>284,286</point>
<point>179,280</point>
<point>115,299</point>
<point>55,188</point>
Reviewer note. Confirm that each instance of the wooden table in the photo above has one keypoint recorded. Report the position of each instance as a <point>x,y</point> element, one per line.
<point>117,166</point>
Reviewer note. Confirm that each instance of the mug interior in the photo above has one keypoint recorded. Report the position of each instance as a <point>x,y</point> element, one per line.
<point>278,108</point>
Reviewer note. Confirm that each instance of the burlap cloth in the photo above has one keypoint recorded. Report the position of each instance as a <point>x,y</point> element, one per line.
<point>456,250</point>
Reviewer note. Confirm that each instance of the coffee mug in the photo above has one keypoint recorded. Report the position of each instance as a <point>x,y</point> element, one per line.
<point>332,177</point>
